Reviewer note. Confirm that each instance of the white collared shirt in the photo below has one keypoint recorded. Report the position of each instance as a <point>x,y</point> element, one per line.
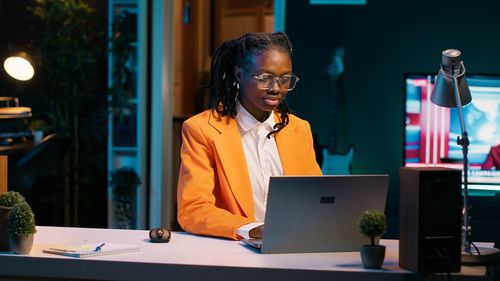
<point>262,158</point>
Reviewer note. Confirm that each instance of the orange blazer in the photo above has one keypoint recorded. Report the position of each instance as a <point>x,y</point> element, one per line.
<point>214,193</point>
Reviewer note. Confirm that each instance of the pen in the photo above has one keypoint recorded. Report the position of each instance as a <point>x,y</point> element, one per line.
<point>98,248</point>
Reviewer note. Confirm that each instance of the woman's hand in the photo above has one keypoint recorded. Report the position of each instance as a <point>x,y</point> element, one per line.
<point>256,232</point>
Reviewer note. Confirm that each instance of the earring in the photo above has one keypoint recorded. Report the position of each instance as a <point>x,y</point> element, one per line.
<point>237,85</point>
<point>236,96</point>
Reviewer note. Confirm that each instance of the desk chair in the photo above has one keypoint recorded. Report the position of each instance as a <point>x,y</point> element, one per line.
<point>10,109</point>
<point>37,177</point>
<point>14,122</point>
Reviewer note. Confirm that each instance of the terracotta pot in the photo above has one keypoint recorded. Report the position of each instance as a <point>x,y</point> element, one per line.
<point>21,245</point>
<point>372,256</point>
<point>4,232</point>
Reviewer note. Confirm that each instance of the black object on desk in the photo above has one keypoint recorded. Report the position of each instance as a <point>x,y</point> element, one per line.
<point>159,235</point>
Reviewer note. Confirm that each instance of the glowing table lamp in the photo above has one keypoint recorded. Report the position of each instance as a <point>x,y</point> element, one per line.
<point>19,67</point>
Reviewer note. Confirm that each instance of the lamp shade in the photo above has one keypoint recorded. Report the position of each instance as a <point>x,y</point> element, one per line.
<point>19,67</point>
<point>443,92</point>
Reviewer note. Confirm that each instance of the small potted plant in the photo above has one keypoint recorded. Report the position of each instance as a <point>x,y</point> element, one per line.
<point>22,227</point>
<point>10,198</point>
<point>373,225</point>
<point>7,200</point>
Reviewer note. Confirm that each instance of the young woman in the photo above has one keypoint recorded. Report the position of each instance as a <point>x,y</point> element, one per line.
<point>247,135</point>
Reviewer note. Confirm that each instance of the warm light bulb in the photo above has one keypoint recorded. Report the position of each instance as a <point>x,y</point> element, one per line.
<point>19,68</point>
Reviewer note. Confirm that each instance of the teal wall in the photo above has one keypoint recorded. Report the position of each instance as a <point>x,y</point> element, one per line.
<point>383,40</point>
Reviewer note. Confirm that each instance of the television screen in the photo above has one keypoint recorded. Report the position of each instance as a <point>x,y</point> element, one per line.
<point>431,131</point>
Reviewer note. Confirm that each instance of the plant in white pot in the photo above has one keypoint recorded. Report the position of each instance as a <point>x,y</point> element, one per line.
<point>22,227</point>
<point>373,225</point>
<point>7,200</point>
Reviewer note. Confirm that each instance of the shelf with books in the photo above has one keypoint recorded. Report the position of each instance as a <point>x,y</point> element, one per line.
<point>127,138</point>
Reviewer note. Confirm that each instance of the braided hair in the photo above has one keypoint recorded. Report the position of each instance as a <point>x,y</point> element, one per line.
<point>223,87</point>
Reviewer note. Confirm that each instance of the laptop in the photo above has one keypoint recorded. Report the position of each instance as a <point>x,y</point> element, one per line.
<point>307,214</point>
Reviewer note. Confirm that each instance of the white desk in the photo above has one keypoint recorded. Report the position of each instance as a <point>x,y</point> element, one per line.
<point>189,257</point>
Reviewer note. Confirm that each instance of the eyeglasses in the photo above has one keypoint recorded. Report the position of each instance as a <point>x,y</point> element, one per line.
<point>265,81</point>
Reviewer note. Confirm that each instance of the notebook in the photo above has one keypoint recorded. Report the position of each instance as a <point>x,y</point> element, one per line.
<point>308,214</point>
<point>92,250</point>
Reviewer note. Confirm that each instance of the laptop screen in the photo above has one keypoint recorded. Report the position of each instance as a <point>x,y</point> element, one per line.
<point>319,213</point>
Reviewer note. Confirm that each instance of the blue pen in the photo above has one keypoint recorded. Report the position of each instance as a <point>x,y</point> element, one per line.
<point>98,248</point>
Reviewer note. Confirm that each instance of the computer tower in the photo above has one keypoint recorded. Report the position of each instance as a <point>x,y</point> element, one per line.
<point>430,219</point>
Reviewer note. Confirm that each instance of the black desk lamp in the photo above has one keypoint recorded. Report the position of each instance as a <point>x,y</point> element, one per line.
<point>451,90</point>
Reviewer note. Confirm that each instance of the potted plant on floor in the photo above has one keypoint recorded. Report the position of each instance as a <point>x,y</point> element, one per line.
<point>124,182</point>
<point>7,201</point>
<point>22,228</point>
<point>373,225</point>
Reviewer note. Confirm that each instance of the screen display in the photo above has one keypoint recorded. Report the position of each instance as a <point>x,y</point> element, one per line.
<point>431,131</point>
